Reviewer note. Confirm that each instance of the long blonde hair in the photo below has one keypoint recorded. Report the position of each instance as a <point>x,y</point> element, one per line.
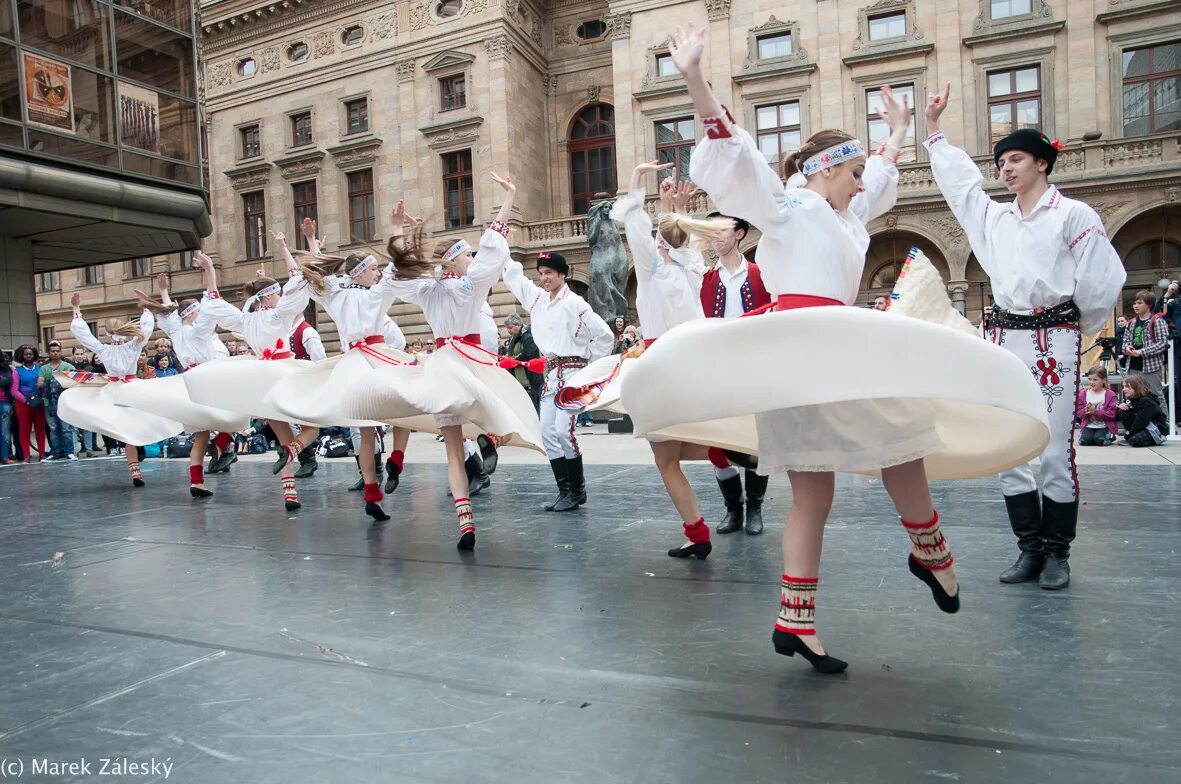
<point>160,309</point>
<point>130,331</point>
<point>417,257</point>
<point>681,230</point>
<point>316,268</point>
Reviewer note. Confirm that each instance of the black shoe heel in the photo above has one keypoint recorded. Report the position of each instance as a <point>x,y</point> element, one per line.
<point>466,542</point>
<point>393,475</point>
<point>199,492</point>
<point>137,482</point>
<point>281,461</point>
<point>946,602</point>
<point>374,510</point>
<point>291,505</point>
<point>699,550</point>
<point>790,644</point>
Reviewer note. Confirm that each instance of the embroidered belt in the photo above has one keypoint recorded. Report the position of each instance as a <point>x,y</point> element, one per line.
<point>564,362</point>
<point>1065,315</point>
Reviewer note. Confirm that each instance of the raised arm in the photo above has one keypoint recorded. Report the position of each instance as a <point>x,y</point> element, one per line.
<point>308,227</point>
<point>525,290</point>
<point>162,284</point>
<point>880,178</point>
<point>629,210</point>
<point>209,273</point>
<point>81,330</point>
<point>147,325</point>
<point>493,254</point>
<point>285,252</point>
<point>1099,274</point>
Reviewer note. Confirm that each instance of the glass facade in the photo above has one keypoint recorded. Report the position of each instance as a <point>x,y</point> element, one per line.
<point>109,84</point>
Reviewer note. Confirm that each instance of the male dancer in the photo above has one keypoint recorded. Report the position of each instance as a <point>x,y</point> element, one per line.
<point>1054,275</point>
<point>729,290</point>
<point>570,335</point>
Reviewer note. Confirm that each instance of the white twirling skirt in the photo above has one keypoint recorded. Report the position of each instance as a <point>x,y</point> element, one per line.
<point>104,408</point>
<point>169,397</point>
<point>241,384</point>
<point>842,389</point>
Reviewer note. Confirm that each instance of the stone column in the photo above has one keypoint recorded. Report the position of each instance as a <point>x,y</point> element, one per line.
<point>18,297</point>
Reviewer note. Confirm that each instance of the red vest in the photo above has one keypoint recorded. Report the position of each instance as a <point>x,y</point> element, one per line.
<point>713,293</point>
<point>297,340</point>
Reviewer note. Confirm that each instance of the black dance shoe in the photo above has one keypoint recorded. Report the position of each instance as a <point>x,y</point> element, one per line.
<point>467,542</point>
<point>790,644</point>
<point>697,550</point>
<point>946,602</point>
<point>199,492</point>
<point>374,510</point>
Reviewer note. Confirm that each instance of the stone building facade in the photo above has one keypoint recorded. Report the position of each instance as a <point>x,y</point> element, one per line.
<point>338,108</point>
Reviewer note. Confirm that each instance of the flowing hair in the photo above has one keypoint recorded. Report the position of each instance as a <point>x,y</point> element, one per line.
<point>680,230</point>
<point>316,269</point>
<point>130,331</point>
<point>159,308</point>
<point>816,143</point>
<point>415,257</point>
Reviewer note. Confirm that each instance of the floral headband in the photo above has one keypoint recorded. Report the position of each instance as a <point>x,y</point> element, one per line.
<point>833,156</point>
<point>190,310</point>
<point>362,265</point>
<point>455,250</point>
<point>274,288</point>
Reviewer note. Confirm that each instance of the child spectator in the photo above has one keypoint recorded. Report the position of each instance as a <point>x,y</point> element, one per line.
<point>1096,409</point>
<point>1141,415</point>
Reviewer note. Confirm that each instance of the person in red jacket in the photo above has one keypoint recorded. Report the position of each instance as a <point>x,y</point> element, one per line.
<point>733,288</point>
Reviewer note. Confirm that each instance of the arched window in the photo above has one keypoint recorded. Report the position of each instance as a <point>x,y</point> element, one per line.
<point>592,155</point>
<point>1154,255</point>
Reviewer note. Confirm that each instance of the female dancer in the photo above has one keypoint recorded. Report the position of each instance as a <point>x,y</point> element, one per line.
<point>490,400</point>
<point>812,253</point>
<point>241,383</point>
<point>98,403</point>
<point>193,332</point>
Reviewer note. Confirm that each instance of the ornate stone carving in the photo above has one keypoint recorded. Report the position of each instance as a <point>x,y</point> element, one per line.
<point>249,177</point>
<point>420,16</point>
<point>405,70</point>
<point>535,33</point>
<point>269,58</point>
<point>1038,8</point>
<point>592,93</point>
<point>562,35</point>
<point>718,9</point>
<point>497,47</point>
<point>948,227</point>
<point>1131,154</point>
<point>220,74</point>
<point>1173,194</point>
<point>1106,209</point>
<point>891,221</point>
<point>551,84</point>
<point>356,155</point>
<point>919,178</point>
<point>323,44</point>
<point>619,26</point>
<point>301,168</point>
<point>474,7</point>
<point>384,25</point>
<point>455,136</point>
<point>1073,160</point>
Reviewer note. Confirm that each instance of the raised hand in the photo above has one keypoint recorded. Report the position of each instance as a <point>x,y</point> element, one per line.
<point>936,104</point>
<point>652,166</point>
<point>280,238</point>
<point>687,46</point>
<point>682,192</point>
<point>202,261</point>
<point>76,300</point>
<point>142,297</point>
<point>162,282</point>
<point>505,182</point>
<point>893,113</point>
<point>667,187</point>
<point>308,227</point>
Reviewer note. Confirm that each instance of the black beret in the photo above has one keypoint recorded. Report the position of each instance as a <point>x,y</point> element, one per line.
<point>555,261</point>
<point>1033,142</point>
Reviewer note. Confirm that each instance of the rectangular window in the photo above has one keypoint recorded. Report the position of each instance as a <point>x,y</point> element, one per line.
<point>251,141</point>
<point>141,267</point>
<point>357,115</point>
<point>93,275</point>
<point>1152,89</point>
<point>452,92</point>
<point>675,140</point>
<point>47,337</point>
<point>361,206</point>
<point>1002,9</point>
<point>254,213</point>
<point>303,196</point>
<point>1014,101</point>
<point>48,281</point>
<point>778,130</point>
<point>879,130</point>
<point>887,26</point>
<point>665,66</point>
<point>458,197</point>
<point>93,326</point>
<point>772,46</point>
<point>301,129</point>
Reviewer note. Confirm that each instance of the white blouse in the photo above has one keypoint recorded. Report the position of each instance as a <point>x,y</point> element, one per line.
<point>563,326</point>
<point>393,335</point>
<point>359,311</point>
<point>1057,252</point>
<point>266,331</point>
<point>194,343</point>
<point>312,343</point>
<point>452,303</point>
<point>489,334</point>
<point>667,293</point>
<point>807,247</point>
<point>120,359</point>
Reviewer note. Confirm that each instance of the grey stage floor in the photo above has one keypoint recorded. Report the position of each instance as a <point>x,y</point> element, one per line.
<point>245,645</point>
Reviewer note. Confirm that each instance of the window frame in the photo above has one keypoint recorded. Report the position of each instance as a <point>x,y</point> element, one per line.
<point>915,76</point>
<point>1033,7</point>
<point>1043,59</point>
<point>347,107</point>
<point>778,130</point>
<point>253,253</point>
<point>459,176</point>
<point>657,58</point>
<point>133,267</point>
<point>871,146</point>
<point>1150,79</point>
<point>300,209</point>
<point>93,275</point>
<point>243,130</point>
<point>888,14</point>
<point>584,146</point>
<point>676,146</point>
<point>450,78</point>
<point>294,118</point>
<point>48,281</point>
<point>369,221</point>
<point>1012,98</point>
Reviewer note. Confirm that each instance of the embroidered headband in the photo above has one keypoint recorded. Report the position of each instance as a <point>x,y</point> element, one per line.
<point>274,288</point>
<point>362,265</point>
<point>455,250</point>
<point>190,310</point>
<point>833,156</point>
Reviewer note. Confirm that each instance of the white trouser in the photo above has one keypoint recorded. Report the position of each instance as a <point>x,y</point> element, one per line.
<point>469,448</point>
<point>1052,356</point>
<point>355,437</point>
<point>557,426</point>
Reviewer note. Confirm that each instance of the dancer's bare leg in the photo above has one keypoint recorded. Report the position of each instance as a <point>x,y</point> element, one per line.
<point>803,535</point>
<point>668,461</point>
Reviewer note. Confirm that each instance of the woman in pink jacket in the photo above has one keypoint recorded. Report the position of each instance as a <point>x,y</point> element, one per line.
<point>1095,410</point>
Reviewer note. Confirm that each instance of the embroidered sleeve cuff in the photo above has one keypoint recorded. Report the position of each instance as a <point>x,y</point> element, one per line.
<point>934,139</point>
<point>500,227</point>
<point>719,127</point>
<point>212,295</point>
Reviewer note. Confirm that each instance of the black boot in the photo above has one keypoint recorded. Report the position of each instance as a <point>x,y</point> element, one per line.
<point>307,463</point>
<point>1059,522</point>
<point>558,464</point>
<point>756,488</point>
<point>577,494</point>
<point>731,488</point>
<point>393,475</point>
<point>1025,516</point>
<point>360,483</point>
<point>487,453</point>
<point>477,479</point>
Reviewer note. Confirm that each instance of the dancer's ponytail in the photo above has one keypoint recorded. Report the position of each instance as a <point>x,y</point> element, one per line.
<point>413,258</point>
<point>130,331</point>
<point>159,309</point>
<point>678,230</point>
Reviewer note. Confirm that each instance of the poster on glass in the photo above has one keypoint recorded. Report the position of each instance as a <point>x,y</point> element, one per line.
<point>139,117</point>
<point>49,93</point>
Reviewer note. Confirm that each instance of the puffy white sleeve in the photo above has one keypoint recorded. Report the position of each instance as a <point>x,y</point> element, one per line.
<point>393,334</point>
<point>226,316</point>
<point>525,290</point>
<point>296,296</point>
<point>738,178</point>
<point>205,324</point>
<point>637,225</point>
<point>81,332</point>
<point>601,338</point>
<point>880,180</point>
<point>410,290</point>
<point>493,254</point>
<point>1098,274</point>
<point>313,345</point>
<point>147,325</point>
<point>962,185</point>
<point>170,323</point>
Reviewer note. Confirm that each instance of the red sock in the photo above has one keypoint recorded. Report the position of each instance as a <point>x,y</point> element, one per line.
<point>696,532</point>
<point>196,475</point>
<point>223,441</point>
<point>463,511</point>
<point>372,492</point>
<point>397,457</point>
<point>717,458</point>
